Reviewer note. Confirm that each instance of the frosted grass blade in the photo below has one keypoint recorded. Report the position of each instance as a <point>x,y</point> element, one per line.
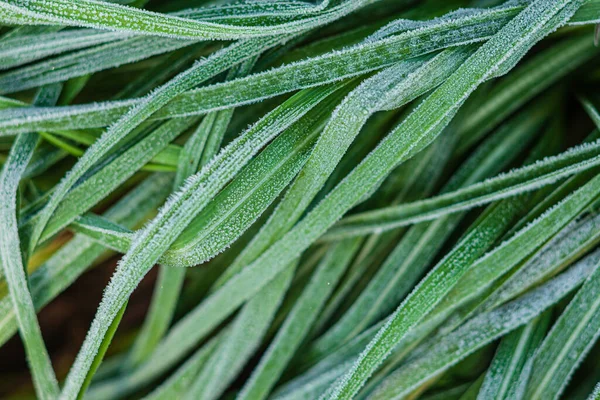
<point>510,359</point>
<point>192,157</point>
<point>524,83</point>
<point>13,259</point>
<point>118,170</point>
<point>568,342</point>
<point>87,61</point>
<point>178,384</point>
<point>344,125</point>
<point>410,258</point>
<point>201,71</point>
<point>115,17</point>
<point>448,350</point>
<point>356,60</point>
<point>521,30</point>
<point>151,242</point>
<point>575,240</point>
<point>68,263</point>
<point>242,339</point>
<point>595,395</point>
<point>299,320</point>
<point>345,195</point>
<point>24,49</point>
<point>518,181</point>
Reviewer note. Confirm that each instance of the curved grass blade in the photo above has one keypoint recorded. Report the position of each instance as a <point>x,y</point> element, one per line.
<point>510,359</point>
<point>415,179</point>
<point>448,350</point>
<point>176,214</point>
<point>88,61</point>
<point>13,258</point>
<point>155,366</point>
<point>170,281</point>
<point>518,181</point>
<point>343,197</point>
<point>568,342</point>
<point>99,185</point>
<point>258,313</point>
<point>25,49</point>
<point>515,37</point>
<point>339,360</point>
<point>201,71</point>
<point>228,215</point>
<point>344,125</point>
<point>413,254</point>
<point>115,17</point>
<point>71,260</point>
<point>299,320</point>
<point>487,230</point>
<point>106,340</point>
<point>356,60</point>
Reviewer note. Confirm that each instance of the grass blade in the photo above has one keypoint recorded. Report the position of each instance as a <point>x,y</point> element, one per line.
<point>154,240</point>
<point>24,49</point>
<point>299,320</point>
<point>568,342</point>
<point>450,349</point>
<point>520,31</point>
<point>356,60</point>
<point>170,280</point>
<point>115,17</point>
<point>518,181</point>
<point>218,62</point>
<point>511,356</point>
<point>410,258</point>
<point>13,262</point>
<point>242,339</point>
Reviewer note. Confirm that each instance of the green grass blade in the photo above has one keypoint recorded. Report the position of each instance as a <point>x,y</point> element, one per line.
<point>518,181</point>
<point>88,61</point>
<point>68,263</point>
<point>25,49</point>
<point>299,320</point>
<point>13,258</point>
<point>98,186</point>
<point>170,280</point>
<point>344,125</point>
<point>227,216</point>
<point>356,60</point>
<point>520,30</point>
<point>409,259</point>
<point>344,196</point>
<point>201,71</point>
<point>511,356</point>
<point>242,339</point>
<point>524,83</point>
<point>108,337</point>
<point>115,17</point>
<point>155,239</point>
<point>178,384</point>
<point>568,342</point>
<point>575,240</point>
<point>448,350</point>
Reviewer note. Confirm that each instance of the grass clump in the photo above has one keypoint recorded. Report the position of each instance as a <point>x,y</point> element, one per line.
<point>370,199</point>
